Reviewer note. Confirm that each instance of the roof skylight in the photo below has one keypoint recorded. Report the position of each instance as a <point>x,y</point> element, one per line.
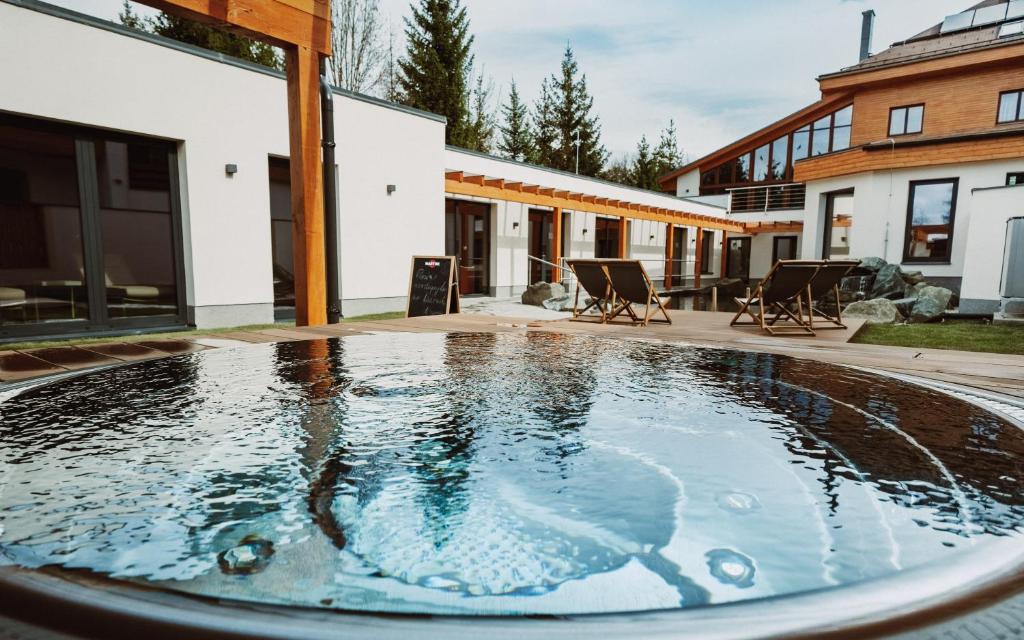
<point>989,15</point>
<point>957,22</point>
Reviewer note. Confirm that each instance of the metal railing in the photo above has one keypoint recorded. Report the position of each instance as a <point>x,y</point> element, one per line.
<point>771,197</point>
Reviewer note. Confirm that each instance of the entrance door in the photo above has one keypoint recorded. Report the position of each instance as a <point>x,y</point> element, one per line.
<point>674,268</point>
<point>467,237</point>
<point>606,238</point>
<point>541,237</point>
<point>737,262</point>
<point>835,235</point>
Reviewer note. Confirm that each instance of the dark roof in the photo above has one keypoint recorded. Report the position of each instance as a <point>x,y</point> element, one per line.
<point>931,43</point>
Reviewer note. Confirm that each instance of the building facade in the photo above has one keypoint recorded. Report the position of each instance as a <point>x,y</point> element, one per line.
<point>897,158</point>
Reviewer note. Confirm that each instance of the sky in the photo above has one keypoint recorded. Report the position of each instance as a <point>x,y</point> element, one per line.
<point>720,68</point>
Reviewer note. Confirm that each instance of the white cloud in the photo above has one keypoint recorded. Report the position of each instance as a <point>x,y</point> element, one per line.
<point>720,69</point>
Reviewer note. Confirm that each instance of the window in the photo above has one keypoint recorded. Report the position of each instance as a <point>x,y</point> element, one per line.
<point>743,168</point>
<point>906,120</point>
<point>820,136</point>
<point>801,143</point>
<point>783,248</point>
<point>841,126</point>
<point>780,159</point>
<point>706,252</point>
<point>761,163</point>
<point>1011,106</point>
<point>1013,179</point>
<point>931,209</point>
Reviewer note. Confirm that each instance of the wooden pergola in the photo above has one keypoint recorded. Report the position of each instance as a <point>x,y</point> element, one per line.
<point>302,28</point>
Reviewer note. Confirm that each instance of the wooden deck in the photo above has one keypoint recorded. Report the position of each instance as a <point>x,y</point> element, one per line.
<point>985,371</point>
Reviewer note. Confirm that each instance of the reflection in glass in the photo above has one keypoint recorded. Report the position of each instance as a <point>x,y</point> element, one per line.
<point>138,236</point>
<point>743,168</point>
<point>467,237</point>
<point>820,137</point>
<point>761,163</point>
<point>41,266</point>
<point>780,149</point>
<point>1010,107</point>
<point>801,143</point>
<point>281,234</point>
<point>931,221</point>
<point>915,119</point>
<point>841,138</point>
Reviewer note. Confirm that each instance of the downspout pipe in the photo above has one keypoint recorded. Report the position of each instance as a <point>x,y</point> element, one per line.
<point>333,261</point>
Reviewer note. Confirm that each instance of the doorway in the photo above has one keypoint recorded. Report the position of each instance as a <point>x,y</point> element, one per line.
<point>835,233</point>
<point>675,271</point>
<point>540,238</point>
<point>467,236</point>
<point>606,238</point>
<point>737,260</point>
<point>783,248</point>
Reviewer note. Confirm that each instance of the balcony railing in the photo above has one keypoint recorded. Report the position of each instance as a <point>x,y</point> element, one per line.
<point>772,197</point>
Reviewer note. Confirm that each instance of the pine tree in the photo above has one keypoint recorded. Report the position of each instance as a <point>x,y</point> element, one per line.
<point>570,104</point>
<point>516,141</point>
<point>480,133</point>
<point>545,131</point>
<point>667,155</point>
<point>619,170</point>
<point>435,71</point>
<point>645,170</point>
<point>129,18</point>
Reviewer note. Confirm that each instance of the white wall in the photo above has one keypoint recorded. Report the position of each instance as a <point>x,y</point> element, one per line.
<point>688,184</point>
<point>221,113</point>
<point>986,240</point>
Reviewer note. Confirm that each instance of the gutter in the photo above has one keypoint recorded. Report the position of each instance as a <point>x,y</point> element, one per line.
<point>333,251</point>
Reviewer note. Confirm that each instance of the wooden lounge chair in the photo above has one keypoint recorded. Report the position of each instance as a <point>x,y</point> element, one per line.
<point>631,285</point>
<point>786,284</point>
<point>826,281</point>
<point>593,279</point>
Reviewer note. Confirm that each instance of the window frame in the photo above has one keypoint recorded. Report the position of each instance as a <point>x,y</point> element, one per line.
<point>911,186</point>
<point>906,119</point>
<point>775,245</point>
<point>1020,106</point>
<point>1018,175</point>
<point>706,247</point>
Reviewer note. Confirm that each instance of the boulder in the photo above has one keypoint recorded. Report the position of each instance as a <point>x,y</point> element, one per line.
<point>888,282</point>
<point>904,305</point>
<point>564,303</point>
<point>931,303</point>
<point>872,264</point>
<point>913,277</point>
<point>537,293</point>
<point>878,311</point>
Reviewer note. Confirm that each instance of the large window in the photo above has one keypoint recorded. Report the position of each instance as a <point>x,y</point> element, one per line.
<point>773,162</point>
<point>930,215</point>
<point>1013,179</point>
<point>606,238</point>
<point>906,120</point>
<point>89,230</point>
<point>706,252</point>
<point>1011,106</point>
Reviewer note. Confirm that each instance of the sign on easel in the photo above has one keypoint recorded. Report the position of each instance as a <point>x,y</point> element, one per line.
<point>433,287</point>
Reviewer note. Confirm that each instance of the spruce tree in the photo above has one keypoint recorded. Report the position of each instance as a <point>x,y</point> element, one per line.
<point>619,170</point>
<point>480,132</point>
<point>516,142</point>
<point>645,169</point>
<point>570,106</point>
<point>667,155</point>
<point>434,74</point>
<point>545,130</point>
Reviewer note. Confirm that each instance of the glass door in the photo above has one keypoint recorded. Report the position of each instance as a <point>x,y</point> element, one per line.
<point>541,237</point>
<point>467,237</point>
<point>89,231</point>
<point>737,262</point>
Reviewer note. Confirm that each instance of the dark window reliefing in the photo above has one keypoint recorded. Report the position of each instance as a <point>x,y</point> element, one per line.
<point>1011,107</point>
<point>906,120</point>
<point>931,212</point>
<point>91,231</point>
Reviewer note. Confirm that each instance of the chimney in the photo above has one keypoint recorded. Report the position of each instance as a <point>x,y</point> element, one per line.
<point>867,30</point>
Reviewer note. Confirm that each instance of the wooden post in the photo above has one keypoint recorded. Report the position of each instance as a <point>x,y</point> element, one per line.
<point>697,266</point>
<point>669,267</point>
<point>556,240</point>
<point>725,253</point>
<point>302,67</point>
<point>623,236</point>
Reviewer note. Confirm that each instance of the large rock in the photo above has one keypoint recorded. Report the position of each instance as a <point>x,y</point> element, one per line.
<point>888,282</point>
<point>931,303</point>
<point>905,305</point>
<point>537,293</point>
<point>872,264</point>
<point>878,311</point>
<point>564,303</point>
<point>913,277</point>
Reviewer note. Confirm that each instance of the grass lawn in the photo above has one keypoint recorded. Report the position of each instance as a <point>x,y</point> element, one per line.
<point>38,344</point>
<point>962,335</point>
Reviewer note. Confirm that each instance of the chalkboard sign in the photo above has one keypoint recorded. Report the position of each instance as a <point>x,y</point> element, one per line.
<point>433,290</point>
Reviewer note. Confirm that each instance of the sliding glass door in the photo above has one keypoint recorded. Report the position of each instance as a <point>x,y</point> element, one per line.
<point>91,231</point>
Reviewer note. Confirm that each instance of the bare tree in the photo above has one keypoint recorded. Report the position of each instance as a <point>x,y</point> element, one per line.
<point>359,54</point>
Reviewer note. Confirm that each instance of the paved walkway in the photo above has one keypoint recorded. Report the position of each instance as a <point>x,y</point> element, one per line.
<point>985,371</point>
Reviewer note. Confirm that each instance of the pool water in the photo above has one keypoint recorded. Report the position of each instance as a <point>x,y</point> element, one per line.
<point>499,474</point>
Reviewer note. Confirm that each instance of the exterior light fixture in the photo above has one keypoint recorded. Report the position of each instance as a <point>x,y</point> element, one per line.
<point>652,236</point>
<point>391,189</point>
<point>230,169</point>
<point>515,225</point>
<point>584,231</point>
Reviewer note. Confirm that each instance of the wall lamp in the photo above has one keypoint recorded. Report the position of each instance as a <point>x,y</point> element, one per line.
<point>584,231</point>
<point>652,236</point>
<point>391,189</point>
<point>515,225</point>
<point>230,170</point>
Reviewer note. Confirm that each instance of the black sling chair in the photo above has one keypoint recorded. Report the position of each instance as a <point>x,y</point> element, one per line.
<point>785,284</point>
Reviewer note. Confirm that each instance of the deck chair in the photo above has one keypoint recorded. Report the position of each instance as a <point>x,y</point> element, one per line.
<point>785,285</point>
<point>631,285</point>
<point>593,279</point>
<point>824,282</point>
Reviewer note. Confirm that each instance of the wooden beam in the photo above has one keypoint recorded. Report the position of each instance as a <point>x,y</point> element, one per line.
<point>495,182</point>
<point>546,191</point>
<point>514,186</point>
<point>302,68</point>
<point>561,193</point>
<point>725,253</point>
<point>530,188</point>
<point>284,23</point>
<point>697,265</point>
<point>556,241</point>
<point>477,180</point>
<point>457,176</point>
<point>624,237</point>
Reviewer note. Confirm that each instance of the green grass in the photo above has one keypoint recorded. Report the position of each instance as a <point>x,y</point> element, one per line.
<point>67,342</point>
<point>962,335</point>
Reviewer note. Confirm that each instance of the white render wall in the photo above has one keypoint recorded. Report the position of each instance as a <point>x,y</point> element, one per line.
<point>222,113</point>
<point>986,243</point>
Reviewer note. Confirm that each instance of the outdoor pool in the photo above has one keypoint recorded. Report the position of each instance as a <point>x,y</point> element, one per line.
<point>501,475</point>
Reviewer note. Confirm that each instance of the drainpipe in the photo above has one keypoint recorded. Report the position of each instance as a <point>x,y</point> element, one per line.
<point>334,314</point>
